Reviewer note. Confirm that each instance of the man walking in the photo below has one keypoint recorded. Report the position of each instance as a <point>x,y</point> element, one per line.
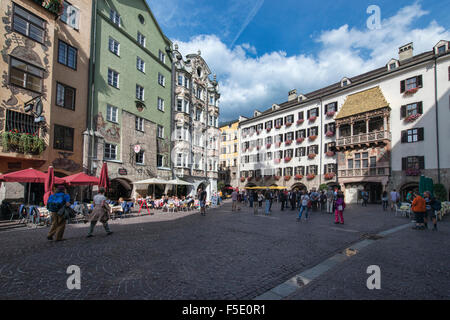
<point>293,199</point>
<point>395,198</point>
<point>330,197</point>
<point>365,197</point>
<point>315,196</point>
<point>56,206</point>
<point>283,200</point>
<point>234,199</point>
<point>202,198</point>
<point>418,206</point>
<point>268,197</point>
<point>305,200</point>
<point>432,206</point>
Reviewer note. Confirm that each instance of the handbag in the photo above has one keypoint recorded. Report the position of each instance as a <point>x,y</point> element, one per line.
<point>309,204</point>
<point>340,208</point>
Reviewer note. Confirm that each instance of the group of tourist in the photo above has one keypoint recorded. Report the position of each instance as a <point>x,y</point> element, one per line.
<point>423,208</point>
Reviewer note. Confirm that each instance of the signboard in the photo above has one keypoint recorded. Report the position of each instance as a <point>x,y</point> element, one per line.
<point>123,171</point>
<point>137,148</point>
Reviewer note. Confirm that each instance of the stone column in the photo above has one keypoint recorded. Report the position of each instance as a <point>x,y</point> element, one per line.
<point>367,125</point>
<point>351,128</point>
<point>338,133</point>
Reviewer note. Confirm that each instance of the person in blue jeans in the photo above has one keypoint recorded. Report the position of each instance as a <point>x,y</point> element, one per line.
<point>304,207</point>
<point>268,197</point>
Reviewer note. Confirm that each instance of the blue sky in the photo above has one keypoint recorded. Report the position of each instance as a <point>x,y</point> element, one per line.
<point>261,49</point>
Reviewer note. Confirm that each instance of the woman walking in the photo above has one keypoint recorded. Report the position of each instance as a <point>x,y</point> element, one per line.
<point>306,203</point>
<point>385,200</point>
<point>340,206</point>
<point>100,213</point>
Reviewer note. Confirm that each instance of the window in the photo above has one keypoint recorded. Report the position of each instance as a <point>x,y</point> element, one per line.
<point>110,151</point>
<point>330,127</point>
<point>140,157</point>
<point>159,161</point>
<point>186,82</point>
<point>63,138</point>
<point>314,131</point>
<point>140,64</point>
<point>412,109</point>
<point>268,125</point>
<point>162,57</point>
<point>112,113</point>
<point>313,149</point>
<point>65,96</point>
<point>414,162</point>
<point>25,75</point>
<point>113,78</point>
<point>67,55</point>
<point>411,83</point>
<point>141,39</point>
<point>180,80</point>
<point>350,164</point>
<point>161,80</point>
<point>70,15</point>
<point>331,107</point>
<point>441,49</point>
<point>413,135</point>
<point>313,113</point>
<point>312,170</point>
<point>373,162</point>
<point>139,124</point>
<point>289,119</point>
<point>28,24</point>
<point>114,46</point>
<point>160,104</point>
<point>22,122</point>
<point>301,115</point>
<point>115,18</point>
<point>300,152</point>
<point>198,93</point>
<point>198,114</point>
<point>279,122</point>
<point>139,92</point>
<point>160,132</point>
<point>393,66</point>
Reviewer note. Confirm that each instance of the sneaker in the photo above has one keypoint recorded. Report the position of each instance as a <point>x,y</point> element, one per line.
<point>50,238</point>
<point>89,236</point>
<point>109,233</point>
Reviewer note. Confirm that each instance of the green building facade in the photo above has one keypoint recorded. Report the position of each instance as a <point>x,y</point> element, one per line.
<point>129,122</point>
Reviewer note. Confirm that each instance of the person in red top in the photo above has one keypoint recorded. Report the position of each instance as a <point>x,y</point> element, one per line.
<point>418,206</point>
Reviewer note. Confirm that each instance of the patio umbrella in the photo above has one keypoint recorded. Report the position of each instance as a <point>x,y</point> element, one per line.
<point>48,184</point>
<point>81,179</point>
<point>104,179</point>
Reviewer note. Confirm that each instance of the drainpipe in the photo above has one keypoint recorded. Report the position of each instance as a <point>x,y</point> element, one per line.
<point>171,126</point>
<point>321,142</point>
<point>437,118</point>
<point>90,113</point>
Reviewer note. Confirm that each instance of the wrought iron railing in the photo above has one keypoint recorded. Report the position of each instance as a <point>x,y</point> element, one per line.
<point>365,137</point>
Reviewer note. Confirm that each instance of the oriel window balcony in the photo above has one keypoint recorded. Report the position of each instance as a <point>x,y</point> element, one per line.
<point>368,132</point>
<point>365,172</point>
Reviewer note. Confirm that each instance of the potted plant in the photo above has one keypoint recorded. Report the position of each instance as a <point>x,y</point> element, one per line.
<point>331,113</point>
<point>288,124</point>
<point>312,138</point>
<point>277,177</point>
<point>411,91</point>
<point>413,117</point>
<point>329,134</point>
<point>278,144</point>
<point>310,176</point>
<point>277,161</point>
<point>330,154</point>
<point>312,118</point>
<point>330,175</point>
<point>300,121</point>
<point>287,178</point>
<point>413,172</point>
<point>268,146</point>
<point>249,178</point>
<point>278,126</point>
<point>311,155</point>
<point>300,140</point>
<point>288,142</point>
<point>242,179</point>
<point>287,159</point>
<point>268,177</point>
<point>268,129</point>
<point>298,177</point>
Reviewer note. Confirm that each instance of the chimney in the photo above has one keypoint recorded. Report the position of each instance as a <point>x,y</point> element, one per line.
<point>406,51</point>
<point>292,95</point>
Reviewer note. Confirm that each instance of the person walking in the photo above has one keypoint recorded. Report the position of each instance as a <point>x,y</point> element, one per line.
<point>234,199</point>
<point>340,206</point>
<point>306,202</point>
<point>56,205</point>
<point>271,196</point>
<point>100,213</point>
<point>250,198</point>
<point>323,201</point>
<point>260,199</point>
<point>283,199</point>
<point>432,205</point>
<point>385,200</point>
<point>315,197</point>
<point>202,198</point>
<point>293,199</point>
<point>268,198</point>
<point>255,202</point>
<point>365,197</point>
<point>330,199</point>
<point>410,197</point>
<point>418,206</point>
<point>395,198</point>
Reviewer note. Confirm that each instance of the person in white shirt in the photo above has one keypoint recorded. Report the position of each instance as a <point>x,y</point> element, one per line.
<point>395,198</point>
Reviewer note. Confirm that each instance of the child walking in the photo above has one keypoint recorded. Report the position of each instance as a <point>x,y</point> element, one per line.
<point>340,206</point>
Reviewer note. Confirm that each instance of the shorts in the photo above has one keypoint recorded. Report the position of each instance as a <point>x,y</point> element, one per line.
<point>202,204</point>
<point>419,216</point>
<point>430,213</point>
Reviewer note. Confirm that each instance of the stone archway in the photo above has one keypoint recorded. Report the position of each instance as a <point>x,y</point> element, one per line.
<point>120,188</point>
<point>404,189</point>
<point>299,186</point>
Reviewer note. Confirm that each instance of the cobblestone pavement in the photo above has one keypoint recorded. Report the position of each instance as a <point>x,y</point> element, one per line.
<point>223,255</point>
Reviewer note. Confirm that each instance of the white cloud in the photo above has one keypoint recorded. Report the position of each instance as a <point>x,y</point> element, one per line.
<point>248,83</point>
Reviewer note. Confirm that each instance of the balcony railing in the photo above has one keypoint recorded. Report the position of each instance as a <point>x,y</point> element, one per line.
<point>364,138</point>
<point>365,172</point>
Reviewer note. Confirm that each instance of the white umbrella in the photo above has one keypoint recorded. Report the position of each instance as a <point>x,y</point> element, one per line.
<point>152,181</point>
<point>179,182</point>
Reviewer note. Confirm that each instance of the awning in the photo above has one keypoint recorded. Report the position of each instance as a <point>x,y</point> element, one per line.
<point>28,176</point>
<point>152,181</point>
<point>179,182</point>
<point>81,179</point>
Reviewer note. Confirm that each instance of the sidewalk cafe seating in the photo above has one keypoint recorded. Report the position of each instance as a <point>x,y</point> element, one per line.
<point>404,209</point>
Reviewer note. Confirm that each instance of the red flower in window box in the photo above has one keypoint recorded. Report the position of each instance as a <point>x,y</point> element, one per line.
<point>411,91</point>
<point>251,134</point>
<point>268,177</point>
<point>330,154</point>
<point>278,144</point>
<point>413,117</point>
<point>287,159</point>
<point>249,178</point>
<point>257,178</point>
<point>312,155</point>
<point>331,113</point>
<point>310,176</point>
<point>276,177</point>
<point>300,140</point>
<point>242,179</point>
<point>250,149</point>
<point>287,178</point>
<point>288,142</point>
<point>277,161</point>
<point>258,132</point>
<point>268,146</point>
<point>329,176</point>
<point>298,177</point>
<point>268,129</point>
<point>300,121</point>
<point>312,138</point>
<point>312,119</point>
<point>288,124</point>
<point>277,126</point>
<point>412,172</point>
<point>329,134</point>
<point>258,148</point>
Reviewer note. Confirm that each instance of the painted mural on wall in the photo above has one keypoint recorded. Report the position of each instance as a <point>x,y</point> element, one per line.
<point>64,163</point>
<point>111,132</point>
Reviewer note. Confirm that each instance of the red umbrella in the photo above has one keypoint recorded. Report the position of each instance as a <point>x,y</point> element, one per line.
<point>104,179</point>
<point>48,184</point>
<point>28,175</point>
<point>81,179</point>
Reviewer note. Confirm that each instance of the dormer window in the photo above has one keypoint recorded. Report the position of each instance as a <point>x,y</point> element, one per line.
<point>392,66</point>
<point>345,82</point>
<point>441,47</point>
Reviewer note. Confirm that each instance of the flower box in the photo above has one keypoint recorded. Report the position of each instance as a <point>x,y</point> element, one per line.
<point>300,121</point>
<point>257,178</point>
<point>312,119</point>
<point>277,127</point>
<point>287,178</point>
<point>287,159</point>
<point>331,113</point>
<point>278,144</point>
<point>329,176</point>
<point>54,6</point>
<point>288,124</point>
<point>312,138</point>
<point>268,146</point>
<point>267,177</point>
<point>411,91</point>
<point>242,179</point>
<point>300,140</point>
<point>330,154</point>
<point>249,178</point>
<point>258,148</point>
<point>329,134</point>
<point>298,177</point>
<point>258,132</point>
<point>268,129</point>
<point>277,161</point>
<point>312,155</point>
<point>26,143</point>
<point>276,177</point>
<point>413,172</point>
<point>288,142</point>
<point>413,117</point>
<point>310,176</point>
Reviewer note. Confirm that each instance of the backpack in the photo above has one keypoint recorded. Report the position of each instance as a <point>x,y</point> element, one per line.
<point>55,203</point>
<point>436,205</point>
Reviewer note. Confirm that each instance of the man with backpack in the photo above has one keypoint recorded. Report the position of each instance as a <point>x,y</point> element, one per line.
<point>56,205</point>
<point>432,206</point>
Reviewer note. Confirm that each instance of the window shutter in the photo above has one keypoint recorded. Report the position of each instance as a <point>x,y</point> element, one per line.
<point>326,128</point>
<point>308,131</point>
<point>402,86</point>
<point>421,134</point>
<point>326,109</point>
<point>324,168</point>
<point>404,136</point>
<point>420,107</point>
<point>403,112</point>
<point>404,163</point>
<point>325,148</point>
<point>419,81</point>
<point>317,111</point>
<point>307,114</point>
<point>421,163</point>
